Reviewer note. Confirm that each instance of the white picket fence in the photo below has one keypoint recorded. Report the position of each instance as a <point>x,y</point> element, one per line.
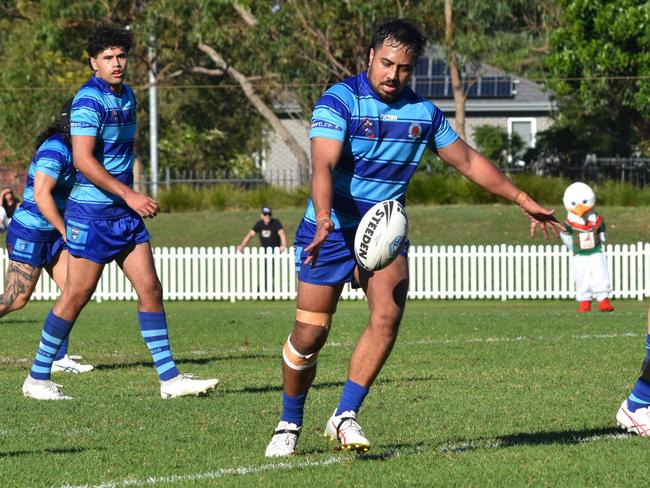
<point>436,272</point>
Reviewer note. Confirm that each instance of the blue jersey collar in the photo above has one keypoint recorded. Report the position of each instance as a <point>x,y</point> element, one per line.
<point>103,85</point>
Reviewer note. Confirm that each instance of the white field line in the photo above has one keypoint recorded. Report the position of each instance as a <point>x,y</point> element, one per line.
<point>265,468</point>
<point>471,340</point>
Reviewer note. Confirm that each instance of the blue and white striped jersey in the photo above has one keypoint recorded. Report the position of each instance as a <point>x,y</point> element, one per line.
<point>111,119</point>
<point>54,158</point>
<point>382,144</point>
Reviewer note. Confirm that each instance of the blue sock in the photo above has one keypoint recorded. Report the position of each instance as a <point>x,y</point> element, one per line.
<point>63,350</point>
<point>153,327</point>
<point>640,396</point>
<point>293,408</point>
<point>352,397</point>
<point>55,330</point>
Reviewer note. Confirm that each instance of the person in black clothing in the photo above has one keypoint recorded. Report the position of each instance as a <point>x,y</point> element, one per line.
<point>270,230</point>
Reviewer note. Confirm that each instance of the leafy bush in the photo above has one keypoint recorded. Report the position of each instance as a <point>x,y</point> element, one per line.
<point>424,189</point>
<point>180,198</point>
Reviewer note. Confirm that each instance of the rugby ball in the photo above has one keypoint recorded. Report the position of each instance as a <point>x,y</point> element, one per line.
<point>381,235</point>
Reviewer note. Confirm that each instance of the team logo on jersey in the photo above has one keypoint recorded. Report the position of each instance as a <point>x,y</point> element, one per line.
<point>415,130</point>
<point>368,129</point>
<point>74,234</point>
<point>114,113</point>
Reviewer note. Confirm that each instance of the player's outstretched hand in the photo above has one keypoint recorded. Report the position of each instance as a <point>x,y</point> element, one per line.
<point>539,216</point>
<point>143,205</point>
<point>323,228</point>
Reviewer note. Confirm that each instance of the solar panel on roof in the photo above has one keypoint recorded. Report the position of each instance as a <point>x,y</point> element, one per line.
<point>422,67</point>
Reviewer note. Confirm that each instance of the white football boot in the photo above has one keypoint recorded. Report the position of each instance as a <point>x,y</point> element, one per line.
<point>69,365</point>
<point>637,422</point>
<point>43,390</point>
<point>345,429</point>
<point>186,385</point>
<point>284,440</point>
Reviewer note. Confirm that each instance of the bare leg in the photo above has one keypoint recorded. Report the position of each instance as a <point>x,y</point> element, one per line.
<point>137,264</point>
<point>386,291</point>
<point>309,338</point>
<point>58,269</point>
<point>21,281</point>
<point>80,283</point>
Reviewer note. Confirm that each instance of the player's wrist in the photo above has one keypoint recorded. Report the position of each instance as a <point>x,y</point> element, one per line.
<point>323,215</point>
<point>521,198</point>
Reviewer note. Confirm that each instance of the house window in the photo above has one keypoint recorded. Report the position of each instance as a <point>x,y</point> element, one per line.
<point>526,127</point>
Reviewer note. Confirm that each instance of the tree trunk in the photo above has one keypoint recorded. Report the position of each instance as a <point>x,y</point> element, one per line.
<point>456,82</point>
<point>263,109</point>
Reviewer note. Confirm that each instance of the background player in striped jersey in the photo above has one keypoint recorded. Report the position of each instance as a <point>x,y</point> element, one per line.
<point>368,134</point>
<point>36,234</point>
<point>103,220</point>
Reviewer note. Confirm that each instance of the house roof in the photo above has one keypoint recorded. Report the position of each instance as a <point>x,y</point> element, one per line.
<point>527,96</point>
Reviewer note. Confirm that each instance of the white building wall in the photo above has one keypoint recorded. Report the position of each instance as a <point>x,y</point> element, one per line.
<point>280,167</point>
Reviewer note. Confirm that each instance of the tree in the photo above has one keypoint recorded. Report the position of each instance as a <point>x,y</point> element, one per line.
<point>497,145</point>
<point>44,63</point>
<point>476,32</point>
<point>599,65</point>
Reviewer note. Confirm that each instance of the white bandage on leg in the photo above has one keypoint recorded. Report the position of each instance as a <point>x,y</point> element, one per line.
<point>296,360</point>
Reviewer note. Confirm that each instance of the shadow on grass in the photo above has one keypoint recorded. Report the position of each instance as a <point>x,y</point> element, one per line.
<point>6,321</point>
<point>200,361</point>
<point>40,452</point>
<point>325,385</point>
<point>566,437</point>
<point>388,451</point>
<point>561,437</point>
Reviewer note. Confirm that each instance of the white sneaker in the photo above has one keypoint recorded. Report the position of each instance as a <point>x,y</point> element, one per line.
<point>184,385</point>
<point>68,365</point>
<point>283,442</point>
<point>637,422</point>
<point>345,429</point>
<point>43,390</point>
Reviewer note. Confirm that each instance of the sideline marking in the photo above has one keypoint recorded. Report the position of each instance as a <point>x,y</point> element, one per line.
<point>388,453</point>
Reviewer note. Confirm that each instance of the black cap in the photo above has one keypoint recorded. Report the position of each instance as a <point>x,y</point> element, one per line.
<point>266,211</point>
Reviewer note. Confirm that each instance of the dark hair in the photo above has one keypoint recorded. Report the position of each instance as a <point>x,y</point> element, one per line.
<point>106,37</point>
<point>60,125</point>
<point>9,209</point>
<point>399,32</point>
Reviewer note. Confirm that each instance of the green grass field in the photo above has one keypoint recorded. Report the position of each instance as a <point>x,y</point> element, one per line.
<point>475,394</point>
<point>440,225</point>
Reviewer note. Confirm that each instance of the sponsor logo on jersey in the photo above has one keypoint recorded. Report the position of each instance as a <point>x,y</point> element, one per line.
<point>82,125</point>
<point>390,117</point>
<point>323,124</point>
